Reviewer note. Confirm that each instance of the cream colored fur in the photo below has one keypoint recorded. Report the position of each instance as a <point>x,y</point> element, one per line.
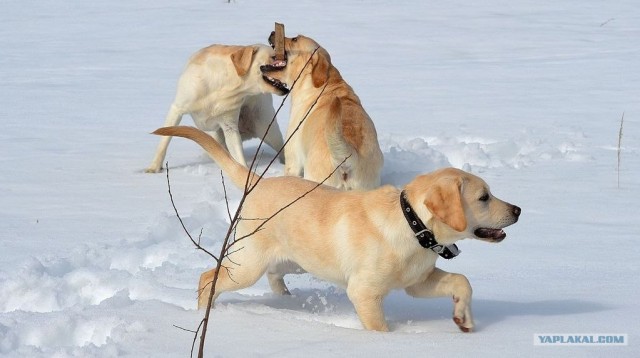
<point>359,240</point>
<point>223,91</point>
<point>336,128</point>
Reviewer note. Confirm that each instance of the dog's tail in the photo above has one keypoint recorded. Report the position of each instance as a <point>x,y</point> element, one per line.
<point>236,171</point>
<point>342,137</point>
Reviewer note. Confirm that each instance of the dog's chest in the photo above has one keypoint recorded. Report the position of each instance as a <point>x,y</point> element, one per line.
<point>304,105</point>
<point>414,268</point>
<point>299,112</point>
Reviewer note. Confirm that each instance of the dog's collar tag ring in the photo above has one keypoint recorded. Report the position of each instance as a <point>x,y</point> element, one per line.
<point>425,236</point>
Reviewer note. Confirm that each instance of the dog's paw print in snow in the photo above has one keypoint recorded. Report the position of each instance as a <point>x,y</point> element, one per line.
<point>317,302</point>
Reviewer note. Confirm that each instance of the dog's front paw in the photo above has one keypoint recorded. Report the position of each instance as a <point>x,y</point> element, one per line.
<point>153,170</point>
<point>464,326</point>
<point>462,314</point>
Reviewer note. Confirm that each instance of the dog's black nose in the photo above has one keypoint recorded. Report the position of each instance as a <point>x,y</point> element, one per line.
<point>516,211</point>
<point>271,37</point>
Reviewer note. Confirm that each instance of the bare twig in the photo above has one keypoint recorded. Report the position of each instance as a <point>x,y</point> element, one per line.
<point>184,329</point>
<point>194,337</point>
<point>606,22</point>
<point>620,146</point>
<point>197,244</point>
<point>254,162</point>
<point>291,136</point>
<point>259,227</point>
<point>231,253</point>
<point>212,290</point>
<point>226,198</point>
<point>226,246</point>
<point>230,238</point>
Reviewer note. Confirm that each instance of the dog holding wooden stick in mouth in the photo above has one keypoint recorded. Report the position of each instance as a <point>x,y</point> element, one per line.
<point>336,125</point>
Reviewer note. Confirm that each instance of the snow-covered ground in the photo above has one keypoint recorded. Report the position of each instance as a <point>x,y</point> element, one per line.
<point>528,94</point>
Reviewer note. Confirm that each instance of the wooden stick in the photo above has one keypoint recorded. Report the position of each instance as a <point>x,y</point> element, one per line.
<point>279,42</point>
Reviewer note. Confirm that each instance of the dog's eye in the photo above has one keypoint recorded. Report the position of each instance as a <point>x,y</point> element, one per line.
<point>485,197</point>
<point>294,39</point>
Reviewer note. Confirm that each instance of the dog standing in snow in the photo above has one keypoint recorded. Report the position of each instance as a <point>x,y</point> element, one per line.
<point>223,90</point>
<point>369,242</point>
<point>337,127</point>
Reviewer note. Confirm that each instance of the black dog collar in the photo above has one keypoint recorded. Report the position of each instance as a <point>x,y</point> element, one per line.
<point>425,236</point>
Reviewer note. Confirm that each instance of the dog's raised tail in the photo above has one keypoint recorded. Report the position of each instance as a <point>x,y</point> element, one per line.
<point>342,137</point>
<point>234,170</point>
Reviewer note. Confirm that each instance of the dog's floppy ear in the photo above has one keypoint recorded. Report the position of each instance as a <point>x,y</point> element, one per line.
<point>242,60</point>
<point>444,201</point>
<point>320,70</point>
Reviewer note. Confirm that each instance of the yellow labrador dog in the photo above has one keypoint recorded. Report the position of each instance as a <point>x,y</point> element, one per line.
<point>336,128</point>
<point>223,91</point>
<point>369,242</point>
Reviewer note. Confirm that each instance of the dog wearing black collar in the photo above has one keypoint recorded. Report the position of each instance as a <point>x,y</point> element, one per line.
<point>364,241</point>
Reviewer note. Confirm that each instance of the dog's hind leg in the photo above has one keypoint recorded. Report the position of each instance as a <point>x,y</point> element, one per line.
<point>173,119</point>
<point>204,288</point>
<point>264,114</point>
<point>232,277</point>
<point>241,270</point>
<point>218,136</point>
<point>276,282</point>
<point>229,125</point>
<point>276,272</point>
<point>442,284</point>
<point>273,137</point>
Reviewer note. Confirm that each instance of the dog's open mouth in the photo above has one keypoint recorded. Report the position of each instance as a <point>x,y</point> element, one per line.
<point>276,65</point>
<point>279,64</point>
<point>281,86</point>
<point>491,235</point>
